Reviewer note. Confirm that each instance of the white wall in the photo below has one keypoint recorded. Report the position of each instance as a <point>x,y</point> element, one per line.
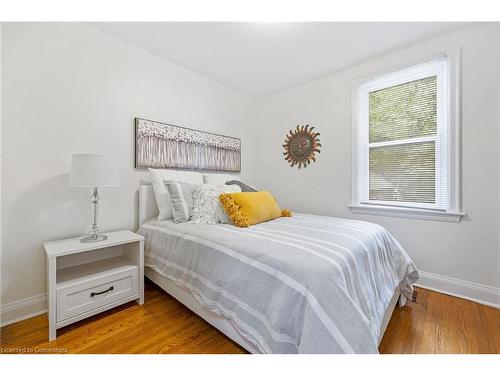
<point>468,251</point>
<point>68,88</point>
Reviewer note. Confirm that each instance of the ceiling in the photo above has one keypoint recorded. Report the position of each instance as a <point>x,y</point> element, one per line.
<point>262,58</point>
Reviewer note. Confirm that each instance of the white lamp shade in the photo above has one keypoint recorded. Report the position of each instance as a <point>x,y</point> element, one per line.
<point>93,171</point>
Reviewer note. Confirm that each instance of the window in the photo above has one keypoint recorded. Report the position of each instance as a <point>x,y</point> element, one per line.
<point>402,144</point>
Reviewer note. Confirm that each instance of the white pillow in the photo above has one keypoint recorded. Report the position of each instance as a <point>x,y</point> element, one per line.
<point>158,176</point>
<point>219,178</point>
<point>207,208</point>
<point>181,199</point>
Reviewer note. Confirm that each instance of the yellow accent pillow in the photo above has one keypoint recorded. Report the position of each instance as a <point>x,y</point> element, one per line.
<point>247,209</point>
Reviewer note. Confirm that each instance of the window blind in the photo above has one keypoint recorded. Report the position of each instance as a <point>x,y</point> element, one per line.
<point>404,173</point>
<point>403,111</point>
<point>405,160</point>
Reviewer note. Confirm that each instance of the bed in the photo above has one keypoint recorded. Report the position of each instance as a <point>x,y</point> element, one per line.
<point>305,284</point>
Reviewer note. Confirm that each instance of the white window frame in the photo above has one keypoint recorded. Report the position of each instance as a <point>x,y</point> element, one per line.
<point>447,205</point>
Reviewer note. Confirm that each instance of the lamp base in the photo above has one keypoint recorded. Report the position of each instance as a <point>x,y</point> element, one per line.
<point>94,235</point>
<point>94,238</point>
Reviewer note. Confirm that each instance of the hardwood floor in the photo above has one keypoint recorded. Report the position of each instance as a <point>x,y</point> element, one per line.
<point>442,324</point>
<point>436,323</point>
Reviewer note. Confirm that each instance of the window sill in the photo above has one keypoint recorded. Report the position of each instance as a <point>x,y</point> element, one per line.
<point>406,212</point>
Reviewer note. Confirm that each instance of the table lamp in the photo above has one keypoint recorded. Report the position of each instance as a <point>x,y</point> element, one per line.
<point>93,171</point>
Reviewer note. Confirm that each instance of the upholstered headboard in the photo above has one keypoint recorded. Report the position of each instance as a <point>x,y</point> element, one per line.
<point>147,203</point>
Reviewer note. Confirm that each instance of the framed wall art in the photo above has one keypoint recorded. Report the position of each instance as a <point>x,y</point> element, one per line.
<point>160,145</point>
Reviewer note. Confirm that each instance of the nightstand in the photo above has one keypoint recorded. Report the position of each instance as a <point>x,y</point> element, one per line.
<point>84,279</point>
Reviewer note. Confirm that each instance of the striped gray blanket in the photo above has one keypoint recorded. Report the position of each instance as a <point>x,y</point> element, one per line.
<point>305,284</point>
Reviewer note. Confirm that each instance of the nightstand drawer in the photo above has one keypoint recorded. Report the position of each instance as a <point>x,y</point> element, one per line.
<point>86,295</point>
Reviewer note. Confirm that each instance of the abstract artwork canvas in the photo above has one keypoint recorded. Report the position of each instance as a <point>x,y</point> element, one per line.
<point>160,145</point>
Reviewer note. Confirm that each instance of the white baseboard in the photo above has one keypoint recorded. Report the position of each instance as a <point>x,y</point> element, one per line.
<point>483,294</point>
<point>23,309</point>
<point>29,307</point>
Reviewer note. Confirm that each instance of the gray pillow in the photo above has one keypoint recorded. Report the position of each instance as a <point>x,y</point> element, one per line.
<point>244,187</point>
<point>181,198</point>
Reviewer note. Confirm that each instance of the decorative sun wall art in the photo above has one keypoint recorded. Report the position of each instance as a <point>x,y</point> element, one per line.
<point>159,145</point>
<point>301,145</point>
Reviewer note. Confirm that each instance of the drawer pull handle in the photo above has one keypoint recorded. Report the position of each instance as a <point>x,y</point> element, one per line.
<point>105,291</point>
